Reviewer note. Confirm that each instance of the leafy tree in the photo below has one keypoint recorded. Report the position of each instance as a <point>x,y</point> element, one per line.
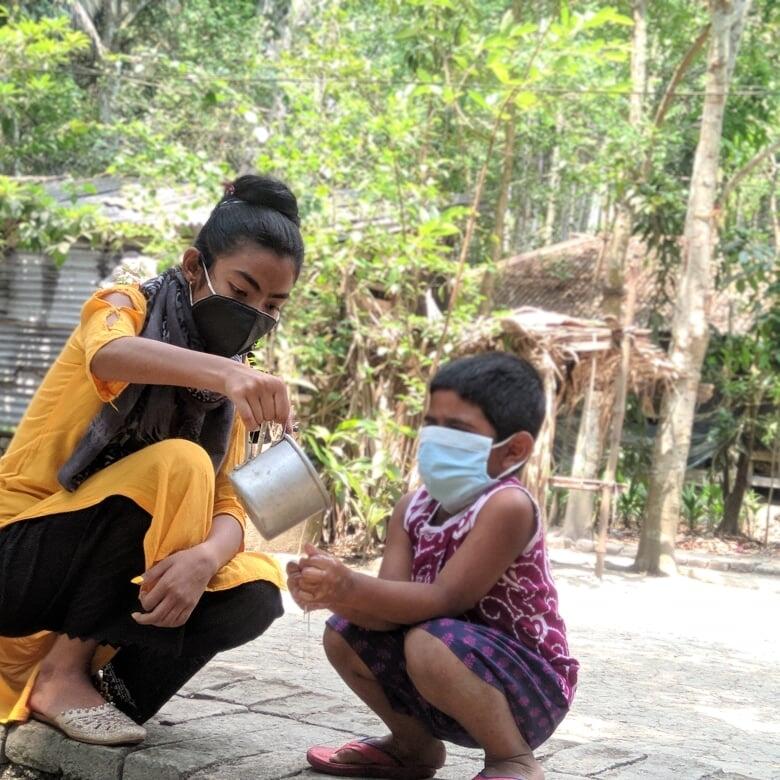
<point>44,116</point>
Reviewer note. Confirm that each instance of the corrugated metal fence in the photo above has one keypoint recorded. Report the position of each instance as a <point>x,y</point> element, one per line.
<point>39,307</point>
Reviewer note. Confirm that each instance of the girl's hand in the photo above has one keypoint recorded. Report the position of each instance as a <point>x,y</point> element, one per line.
<point>324,580</point>
<point>172,588</point>
<point>258,397</point>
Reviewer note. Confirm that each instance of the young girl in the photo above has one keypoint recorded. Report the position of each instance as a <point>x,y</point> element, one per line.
<point>459,639</point>
<point>119,469</point>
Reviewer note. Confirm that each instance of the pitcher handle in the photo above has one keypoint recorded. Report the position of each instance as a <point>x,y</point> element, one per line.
<point>256,439</point>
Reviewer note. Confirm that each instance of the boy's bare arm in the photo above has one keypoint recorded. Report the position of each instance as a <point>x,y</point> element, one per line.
<point>504,529</point>
<point>396,565</point>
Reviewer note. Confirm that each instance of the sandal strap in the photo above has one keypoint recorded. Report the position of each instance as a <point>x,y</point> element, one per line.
<point>371,751</point>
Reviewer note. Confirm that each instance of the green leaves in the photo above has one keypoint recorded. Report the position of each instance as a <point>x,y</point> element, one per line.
<point>379,115</point>
<point>603,17</point>
<point>33,220</point>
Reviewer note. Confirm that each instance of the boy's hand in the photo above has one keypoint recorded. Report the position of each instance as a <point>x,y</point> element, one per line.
<point>294,585</point>
<point>323,580</point>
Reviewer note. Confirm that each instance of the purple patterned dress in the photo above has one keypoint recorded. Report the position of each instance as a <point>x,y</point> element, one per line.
<point>513,639</point>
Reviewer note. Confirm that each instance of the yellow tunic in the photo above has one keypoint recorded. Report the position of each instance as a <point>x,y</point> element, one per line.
<point>173,480</point>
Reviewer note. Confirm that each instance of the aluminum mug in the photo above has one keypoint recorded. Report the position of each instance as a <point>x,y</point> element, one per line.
<point>279,488</point>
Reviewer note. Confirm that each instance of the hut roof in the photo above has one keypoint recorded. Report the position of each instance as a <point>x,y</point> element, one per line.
<point>566,278</point>
<point>574,347</point>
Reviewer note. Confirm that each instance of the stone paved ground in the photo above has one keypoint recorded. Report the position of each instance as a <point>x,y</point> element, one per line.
<point>679,680</point>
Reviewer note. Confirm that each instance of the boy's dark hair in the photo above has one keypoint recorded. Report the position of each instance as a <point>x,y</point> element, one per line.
<point>506,388</point>
<point>254,210</point>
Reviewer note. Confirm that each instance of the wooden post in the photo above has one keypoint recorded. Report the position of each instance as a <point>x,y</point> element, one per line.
<point>578,517</point>
<point>537,473</point>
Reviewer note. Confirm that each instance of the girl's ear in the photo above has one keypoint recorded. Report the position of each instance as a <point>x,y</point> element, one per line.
<point>191,266</point>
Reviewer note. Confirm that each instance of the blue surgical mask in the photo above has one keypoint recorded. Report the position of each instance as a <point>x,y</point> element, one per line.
<point>453,465</point>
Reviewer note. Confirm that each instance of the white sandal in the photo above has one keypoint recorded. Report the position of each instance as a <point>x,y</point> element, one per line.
<point>101,725</point>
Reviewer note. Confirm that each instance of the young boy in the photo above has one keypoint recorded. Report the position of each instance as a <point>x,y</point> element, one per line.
<point>459,638</point>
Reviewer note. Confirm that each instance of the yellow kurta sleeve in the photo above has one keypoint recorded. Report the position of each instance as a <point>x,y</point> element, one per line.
<point>102,322</point>
<point>225,500</point>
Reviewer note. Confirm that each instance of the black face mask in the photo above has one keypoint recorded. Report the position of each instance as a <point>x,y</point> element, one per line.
<point>229,327</point>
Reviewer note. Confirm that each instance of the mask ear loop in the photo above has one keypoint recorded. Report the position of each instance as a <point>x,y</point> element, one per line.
<point>514,466</point>
<point>208,278</point>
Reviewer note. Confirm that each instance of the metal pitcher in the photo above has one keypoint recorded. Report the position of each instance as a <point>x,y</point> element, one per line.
<point>279,488</point>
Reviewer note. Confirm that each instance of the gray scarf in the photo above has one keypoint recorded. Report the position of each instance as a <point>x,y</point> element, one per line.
<point>145,414</point>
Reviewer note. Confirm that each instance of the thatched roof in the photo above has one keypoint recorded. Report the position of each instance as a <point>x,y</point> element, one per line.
<point>573,347</point>
<point>567,278</point>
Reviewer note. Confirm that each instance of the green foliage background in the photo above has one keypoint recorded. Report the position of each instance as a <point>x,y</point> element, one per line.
<point>381,117</point>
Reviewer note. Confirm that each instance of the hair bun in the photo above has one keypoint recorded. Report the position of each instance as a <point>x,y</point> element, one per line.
<point>267,192</point>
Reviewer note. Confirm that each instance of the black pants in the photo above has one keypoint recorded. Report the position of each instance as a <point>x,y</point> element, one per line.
<point>70,573</point>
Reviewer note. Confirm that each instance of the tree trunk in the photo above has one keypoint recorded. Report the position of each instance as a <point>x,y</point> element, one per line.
<point>489,279</point>
<point>578,519</point>
<point>614,262</point>
<point>732,509</point>
<point>507,169</point>
<point>580,509</point>
<point>690,330</point>
<point>733,506</point>
<point>554,183</point>
<point>773,206</point>
<point>617,246</point>
<point>770,498</point>
<point>607,506</point>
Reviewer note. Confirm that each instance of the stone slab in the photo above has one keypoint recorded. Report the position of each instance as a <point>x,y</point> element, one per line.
<point>351,721</point>
<point>661,766</point>
<point>35,745</point>
<point>252,691</point>
<point>217,674</point>
<point>271,737</point>
<point>459,770</point>
<point>16,772</point>
<point>182,710</point>
<point>592,759</point>
<point>267,766</point>
<point>3,732</point>
<point>181,759</point>
<point>91,762</point>
<point>299,705</point>
<point>744,567</point>
<point>552,746</point>
<point>664,694</point>
<point>221,726</point>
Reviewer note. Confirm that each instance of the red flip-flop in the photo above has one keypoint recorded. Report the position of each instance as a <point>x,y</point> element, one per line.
<point>379,763</point>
